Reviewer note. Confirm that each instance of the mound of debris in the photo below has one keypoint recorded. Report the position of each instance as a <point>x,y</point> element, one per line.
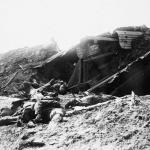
<point>15,65</point>
<point>70,100</point>
<point>102,56</point>
<point>92,61</point>
<point>133,77</point>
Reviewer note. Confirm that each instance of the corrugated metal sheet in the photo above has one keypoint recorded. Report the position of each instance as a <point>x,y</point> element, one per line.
<point>126,37</point>
<point>101,38</point>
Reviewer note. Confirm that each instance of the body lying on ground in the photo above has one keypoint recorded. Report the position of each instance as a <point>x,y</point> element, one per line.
<point>43,109</point>
<point>84,101</point>
<point>87,100</point>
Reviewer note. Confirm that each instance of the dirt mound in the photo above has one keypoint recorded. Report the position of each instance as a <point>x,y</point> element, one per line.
<point>20,61</point>
<point>122,123</point>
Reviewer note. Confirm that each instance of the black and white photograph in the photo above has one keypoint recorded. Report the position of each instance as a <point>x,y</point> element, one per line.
<point>74,74</point>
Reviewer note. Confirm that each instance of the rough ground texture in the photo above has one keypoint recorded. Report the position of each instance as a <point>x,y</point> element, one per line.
<point>119,124</point>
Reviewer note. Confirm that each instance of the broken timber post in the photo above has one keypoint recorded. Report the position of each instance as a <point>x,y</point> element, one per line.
<point>103,82</point>
<point>10,80</point>
<point>40,89</point>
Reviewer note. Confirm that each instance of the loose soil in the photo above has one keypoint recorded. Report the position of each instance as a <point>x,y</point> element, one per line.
<point>119,124</point>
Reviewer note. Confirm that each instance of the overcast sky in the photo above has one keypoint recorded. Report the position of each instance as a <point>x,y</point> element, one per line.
<point>32,22</point>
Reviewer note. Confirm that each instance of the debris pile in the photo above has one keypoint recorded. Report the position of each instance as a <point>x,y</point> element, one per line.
<point>102,56</point>
<point>77,91</point>
<point>42,104</point>
<point>37,105</point>
<point>90,62</point>
<point>134,76</point>
<point>15,65</point>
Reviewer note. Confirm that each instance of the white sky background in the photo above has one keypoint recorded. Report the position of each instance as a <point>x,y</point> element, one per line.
<point>33,22</point>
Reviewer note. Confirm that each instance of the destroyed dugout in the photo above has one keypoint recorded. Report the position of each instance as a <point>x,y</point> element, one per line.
<point>103,56</point>
<point>96,59</point>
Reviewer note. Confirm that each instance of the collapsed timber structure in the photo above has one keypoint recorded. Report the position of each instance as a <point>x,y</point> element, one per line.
<point>110,54</point>
<point>96,60</point>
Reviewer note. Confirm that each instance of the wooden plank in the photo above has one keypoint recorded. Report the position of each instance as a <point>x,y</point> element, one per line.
<point>98,57</point>
<point>102,82</point>
<point>126,37</point>
<point>10,80</point>
<point>81,71</point>
<point>102,38</point>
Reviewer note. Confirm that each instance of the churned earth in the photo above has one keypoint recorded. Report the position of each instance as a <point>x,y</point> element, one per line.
<point>117,124</point>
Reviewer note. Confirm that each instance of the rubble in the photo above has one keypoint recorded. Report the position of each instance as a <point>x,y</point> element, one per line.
<point>133,77</point>
<point>15,65</point>
<point>87,82</point>
<point>96,58</point>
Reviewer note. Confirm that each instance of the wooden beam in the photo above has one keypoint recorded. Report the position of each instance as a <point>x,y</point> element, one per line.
<point>98,57</point>
<point>102,82</point>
